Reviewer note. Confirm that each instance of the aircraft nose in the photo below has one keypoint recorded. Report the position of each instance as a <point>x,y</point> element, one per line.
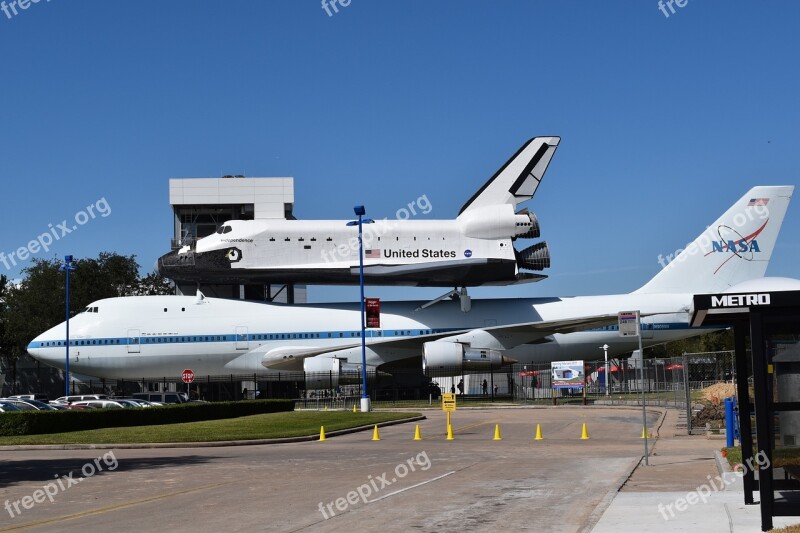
<point>45,347</point>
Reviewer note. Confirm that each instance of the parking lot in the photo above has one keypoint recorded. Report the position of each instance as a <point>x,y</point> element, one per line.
<point>350,481</point>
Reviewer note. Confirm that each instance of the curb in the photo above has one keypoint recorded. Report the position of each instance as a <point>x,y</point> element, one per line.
<point>731,479</point>
<point>216,444</point>
<point>598,512</point>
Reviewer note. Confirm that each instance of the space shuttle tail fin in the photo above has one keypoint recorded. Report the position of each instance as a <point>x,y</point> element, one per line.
<point>517,180</point>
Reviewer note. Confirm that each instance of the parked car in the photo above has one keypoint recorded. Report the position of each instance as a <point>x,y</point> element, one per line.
<point>6,407</point>
<point>101,404</point>
<point>38,396</point>
<point>79,397</point>
<point>28,405</point>
<point>162,397</point>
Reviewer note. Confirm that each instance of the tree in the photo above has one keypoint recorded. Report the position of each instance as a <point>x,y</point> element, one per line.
<point>3,285</point>
<point>151,285</point>
<point>715,341</point>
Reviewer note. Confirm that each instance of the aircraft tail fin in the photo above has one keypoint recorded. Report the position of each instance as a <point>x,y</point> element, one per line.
<point>518,179</point>
<point>735,248</point>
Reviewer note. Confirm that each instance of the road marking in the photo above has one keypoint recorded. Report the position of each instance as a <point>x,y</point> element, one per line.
<point>116,507</point>
<point>411,487</point>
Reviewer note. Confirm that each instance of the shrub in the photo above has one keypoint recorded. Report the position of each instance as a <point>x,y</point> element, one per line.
<point>38,422</point>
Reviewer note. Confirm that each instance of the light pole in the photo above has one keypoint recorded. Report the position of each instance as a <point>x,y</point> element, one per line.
<point>360,212</point>
<point>605,353</point>
<point>66,267</point>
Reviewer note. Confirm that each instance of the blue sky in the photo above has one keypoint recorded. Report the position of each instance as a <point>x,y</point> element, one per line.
<point>665,121</point>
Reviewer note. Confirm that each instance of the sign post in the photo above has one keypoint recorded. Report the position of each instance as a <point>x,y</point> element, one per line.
<point>630,326</point>
<point>448,406</point>
<point>187,376</point>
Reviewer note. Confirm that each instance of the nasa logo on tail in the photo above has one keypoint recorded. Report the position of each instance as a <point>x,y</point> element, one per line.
<point>731,241</point>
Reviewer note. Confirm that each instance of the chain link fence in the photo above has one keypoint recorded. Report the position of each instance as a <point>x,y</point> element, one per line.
<point>669,382</point>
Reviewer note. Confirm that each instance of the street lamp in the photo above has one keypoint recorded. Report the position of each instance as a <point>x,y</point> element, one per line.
<point>66,267</point>
<point>605,353</point>
<point>360,212</point>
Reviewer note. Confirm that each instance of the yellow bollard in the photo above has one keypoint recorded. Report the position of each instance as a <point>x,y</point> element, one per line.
<point>538,433</point>
<point>643,433</point>
<point>584,433</point>
<point>375,434</point>
<point>326,408</point>
<point>417,434</point>
<point>449,432</point>
<point>354,408</point>
<point>497,432</point>
<point>322,433</point>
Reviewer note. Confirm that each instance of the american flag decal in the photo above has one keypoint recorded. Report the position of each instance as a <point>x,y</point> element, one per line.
<point>374,253</point>
<point>758,201</point>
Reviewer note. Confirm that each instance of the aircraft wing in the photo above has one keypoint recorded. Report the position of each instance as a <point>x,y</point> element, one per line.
<point>291,357</point>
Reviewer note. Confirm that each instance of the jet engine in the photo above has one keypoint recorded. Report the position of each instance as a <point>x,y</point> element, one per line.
<point>455,357</point>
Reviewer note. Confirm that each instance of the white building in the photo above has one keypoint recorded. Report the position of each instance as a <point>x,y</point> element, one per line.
<point>201,205</point>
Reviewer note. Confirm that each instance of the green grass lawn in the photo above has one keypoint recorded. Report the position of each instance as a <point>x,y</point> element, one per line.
<point>266,426</point>
<point>780,456</point>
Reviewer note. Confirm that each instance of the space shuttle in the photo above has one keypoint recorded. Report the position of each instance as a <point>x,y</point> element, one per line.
<point>139,337</point>
<point>476,248</point>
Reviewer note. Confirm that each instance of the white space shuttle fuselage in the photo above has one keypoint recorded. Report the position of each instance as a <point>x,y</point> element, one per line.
<point>476,248</point>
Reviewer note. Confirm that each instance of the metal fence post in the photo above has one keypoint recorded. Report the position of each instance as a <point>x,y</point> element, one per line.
<point>688,394</point>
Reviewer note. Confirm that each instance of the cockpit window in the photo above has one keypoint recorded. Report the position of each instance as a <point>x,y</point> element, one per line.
<point>224,229</point>
<point>92,310</point>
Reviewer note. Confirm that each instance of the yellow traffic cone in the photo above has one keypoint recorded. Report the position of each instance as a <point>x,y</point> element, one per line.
<point>375,434</point>
<point>354,408</point>
<point>497,432</point>
<point>538,433</point>
<point>322,433</point>
<point>584,433</point>
<point>643,433</point>
<point>417,435</point>
<point>449,432</point>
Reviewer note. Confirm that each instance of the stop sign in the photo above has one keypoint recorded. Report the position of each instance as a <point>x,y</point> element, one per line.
<point>187,375</point>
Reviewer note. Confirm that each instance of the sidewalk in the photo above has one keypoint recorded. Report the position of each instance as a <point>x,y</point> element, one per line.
<point>659,497</point>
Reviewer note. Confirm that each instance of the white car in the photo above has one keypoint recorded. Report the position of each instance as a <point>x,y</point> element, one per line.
<point>103,404</point>
<point>64,400</point>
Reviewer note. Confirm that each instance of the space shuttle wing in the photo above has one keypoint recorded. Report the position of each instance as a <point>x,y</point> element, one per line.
<point>291,357</point>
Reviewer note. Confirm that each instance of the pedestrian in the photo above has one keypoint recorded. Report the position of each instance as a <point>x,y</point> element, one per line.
<point>452,388</point>
<point>495,389</point>
<point>485,387</point>
<point>461,386</point>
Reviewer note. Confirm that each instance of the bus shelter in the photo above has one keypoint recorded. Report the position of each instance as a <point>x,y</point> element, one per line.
<point>768,382</point>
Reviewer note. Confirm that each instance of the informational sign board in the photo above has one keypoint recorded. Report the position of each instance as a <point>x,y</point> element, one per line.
<point>628,323</point>
<point>373,311</point>
<point>567,374</point>
<point>448,402</point>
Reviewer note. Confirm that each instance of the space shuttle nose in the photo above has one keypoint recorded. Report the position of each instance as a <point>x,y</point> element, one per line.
<point>173,263</point>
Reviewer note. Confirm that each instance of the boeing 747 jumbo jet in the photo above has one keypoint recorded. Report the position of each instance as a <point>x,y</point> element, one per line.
<point>474,249</point>
<point>154,336</point>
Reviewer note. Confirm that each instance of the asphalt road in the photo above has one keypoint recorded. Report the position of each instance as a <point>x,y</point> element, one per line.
<point>350,482</point>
